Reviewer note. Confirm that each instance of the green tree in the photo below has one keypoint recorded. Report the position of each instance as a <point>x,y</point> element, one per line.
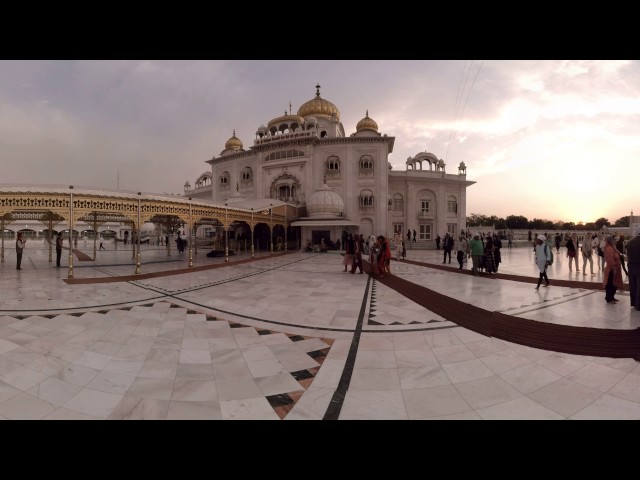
<point>622,222</point>
<point>537,223</point>
<point>517,222</point>
<point>568,226</point>
<point>476,219</point>
<point>601,222</point>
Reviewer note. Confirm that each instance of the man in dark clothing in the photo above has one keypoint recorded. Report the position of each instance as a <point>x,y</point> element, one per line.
<point>447,246</point>
<point>414,235</point>
<point>633,262</point>
<point>58,249</point>
<point>438,242</point>
<point>359,247</point>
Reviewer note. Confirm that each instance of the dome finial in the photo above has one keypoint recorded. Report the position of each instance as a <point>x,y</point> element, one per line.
<point>325,178</point>
<point>237,187</point>
<point>318,90</point>
<point>367,113</point>
<point>234,132</point>
<point>289,107</point>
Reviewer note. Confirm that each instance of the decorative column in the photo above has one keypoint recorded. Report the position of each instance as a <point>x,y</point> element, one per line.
<point>252,227</point>
<point>195,234</point>
<point>70,271</point>
<point>50,237</point>
<point>168,235</point>
<point>190,236</point>
<point>95,234</point>
<point>226,233</point>
<point>2,248</point>
<point>138,270</point>
<point>285,228</point>
<point>271,230</point>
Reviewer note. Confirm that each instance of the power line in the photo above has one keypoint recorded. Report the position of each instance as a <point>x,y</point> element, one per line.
<point>464,106</point>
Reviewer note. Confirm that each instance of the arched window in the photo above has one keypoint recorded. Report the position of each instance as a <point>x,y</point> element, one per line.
<point>246,174</point>
<point>366,198</point>
<point>452,204</point>
<point>398,202</point>
<point>366,164</point>
<point>332,165</point>
<point>224,179</point>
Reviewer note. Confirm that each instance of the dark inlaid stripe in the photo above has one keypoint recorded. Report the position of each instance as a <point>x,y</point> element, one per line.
<point>335,406</point>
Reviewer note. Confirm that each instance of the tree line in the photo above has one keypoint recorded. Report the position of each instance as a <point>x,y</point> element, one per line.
<point>519,222</point>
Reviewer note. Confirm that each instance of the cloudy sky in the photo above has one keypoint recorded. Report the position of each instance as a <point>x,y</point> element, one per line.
<point>557,140</point>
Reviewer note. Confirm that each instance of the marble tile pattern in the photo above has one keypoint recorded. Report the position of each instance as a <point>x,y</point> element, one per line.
<point>270,340</point>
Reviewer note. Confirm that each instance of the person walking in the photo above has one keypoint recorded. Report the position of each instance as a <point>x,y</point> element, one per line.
<point>461,250</point>
<point>349,252</point>
<point>359,247</point>
<point>447,246</point>
<point>414,235</point>
<point>102,243</point>
<point>58,249</point>
<point>572,250</point>
<point>620,248</point>
<point>543,256</point>
<point>612,273</point>
<point>587,254</point>
<point>600,249</point>
<point>438,242</point>
<point>477,251</point>
<point>633,262</point>
<point>397,244</point>
<point>558,240</point>
<point>20,244</point>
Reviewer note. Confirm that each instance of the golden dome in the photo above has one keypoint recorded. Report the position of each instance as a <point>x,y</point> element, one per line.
<point>234,143</point>
<point>319,107</point>
<point>286,119</point>
<point>367,124</point>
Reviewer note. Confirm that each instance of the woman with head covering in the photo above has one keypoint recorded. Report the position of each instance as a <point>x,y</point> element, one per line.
<point>572,250</point>
<point>543,256</point>
<point>613,270</point>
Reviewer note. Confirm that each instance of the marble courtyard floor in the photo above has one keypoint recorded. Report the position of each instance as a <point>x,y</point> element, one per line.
<point>293,337</point>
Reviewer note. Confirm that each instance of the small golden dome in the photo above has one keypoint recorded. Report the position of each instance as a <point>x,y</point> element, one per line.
<point>319,107</point>
<point>286,119</point>
<point>234,143</point>
<point>367,124</point>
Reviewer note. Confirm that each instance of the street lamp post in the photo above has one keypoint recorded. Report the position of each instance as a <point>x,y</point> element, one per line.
<point>190,236</point>
<point>271,230</point>
<point>252,227</point>
<point>70,271</point>
<point>2,249</point>
<point>226,233</point>
<point>138,270</point>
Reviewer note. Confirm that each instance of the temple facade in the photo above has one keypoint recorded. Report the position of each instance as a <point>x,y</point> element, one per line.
<point>336,180</point>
